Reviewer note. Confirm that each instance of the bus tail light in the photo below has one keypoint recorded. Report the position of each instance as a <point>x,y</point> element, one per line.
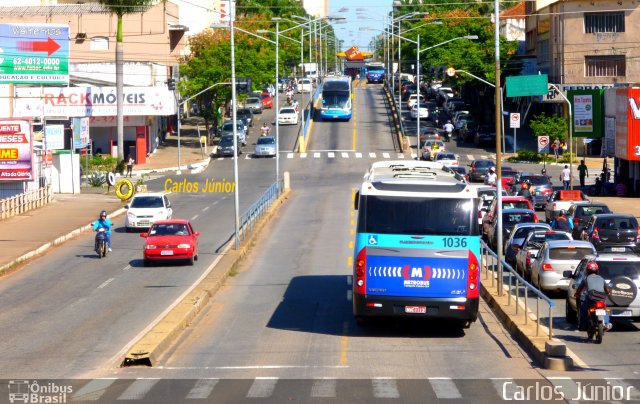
<point>360,281</point>
<point>473,280</point>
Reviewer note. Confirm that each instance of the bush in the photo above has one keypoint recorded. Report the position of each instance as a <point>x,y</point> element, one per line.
<point>120,167</point>
<point>566,158</point>
<point>98,163</point>
<point>97,179</point>
<point>526,155</point>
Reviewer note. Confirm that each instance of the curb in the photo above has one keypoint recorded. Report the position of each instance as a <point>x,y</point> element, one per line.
<point>195,167</point>
<point>60,240</point>
<point>148,348</point>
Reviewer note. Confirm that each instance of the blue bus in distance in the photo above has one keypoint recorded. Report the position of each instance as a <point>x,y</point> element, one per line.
<point>336,98</point>
<point>375,72</point>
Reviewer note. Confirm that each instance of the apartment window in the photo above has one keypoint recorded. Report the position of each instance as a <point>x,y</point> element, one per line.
<point>605,66</point>
<point>604,22</point>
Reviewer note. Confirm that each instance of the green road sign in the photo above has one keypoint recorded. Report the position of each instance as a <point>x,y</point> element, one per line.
<point>526,86</point>
<point>34,53</point>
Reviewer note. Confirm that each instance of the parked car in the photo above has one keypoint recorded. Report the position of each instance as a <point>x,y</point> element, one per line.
<point>254,104</point>
<point>267,100</point>
<point>555,257</point>
<point>170,240</point>
<point>516,238</point>
<point>446,158</point>
<point>246,114</point>
<point>580,212</point>
<point>227,130</point>
<point>561,200</point>
<point>510,217</point>
<point>622,273</point>
<point>287,116</point>
<point>542,188</point>
<point>479,168</point>
<point>616,232</point>
<point>265,147</point>
<point>145,209</point>
<point>529,248</point>
<point>508,202</point>
<point>225,147</point>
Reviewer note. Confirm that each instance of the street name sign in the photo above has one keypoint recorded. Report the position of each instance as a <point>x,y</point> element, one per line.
<point>34,53</point>
<point>526,86</point>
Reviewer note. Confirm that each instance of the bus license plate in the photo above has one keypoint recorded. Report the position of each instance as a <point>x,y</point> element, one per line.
<point>415,309</point>
<point>601,312</point>
<point>166,252</point>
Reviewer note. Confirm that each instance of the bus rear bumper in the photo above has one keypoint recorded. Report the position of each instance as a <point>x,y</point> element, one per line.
<point>411,307</point>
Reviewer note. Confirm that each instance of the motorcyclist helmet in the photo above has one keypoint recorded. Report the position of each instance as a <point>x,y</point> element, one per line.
<point>562,212</point>
<point>449,121</point>
<point>592,268</point>
<point>103,214</point>
<point>543,171</point>
<point>492,169</point>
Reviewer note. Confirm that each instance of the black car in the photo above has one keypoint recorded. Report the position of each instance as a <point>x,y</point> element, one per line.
<point>246,115</point>
<point>581,211</point>
<point>542,188</point>
<point>485,136</point>
<point>510,218</point>
<point>479,168</point>
<point>613,232</point>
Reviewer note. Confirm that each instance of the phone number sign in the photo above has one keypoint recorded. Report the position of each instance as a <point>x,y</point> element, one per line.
<point>34,53</point>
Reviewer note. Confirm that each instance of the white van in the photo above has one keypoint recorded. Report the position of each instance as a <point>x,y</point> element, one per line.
<point>305,85</point>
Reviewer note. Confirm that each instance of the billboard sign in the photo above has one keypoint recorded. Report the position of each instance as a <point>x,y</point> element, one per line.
<point>16,150</point>
<point>54,137</point>
<point>80,130</point>
<point>34,53</point>
<point>588,112</point>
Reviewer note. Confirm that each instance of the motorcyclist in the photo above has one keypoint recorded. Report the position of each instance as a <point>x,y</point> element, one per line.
<point>448,128</point>
<point>104,223</point>
<point>491,177</point>
<point>524,191</point>
<point>561,222</point>
<point>595,289</point>
<point>265,129</point>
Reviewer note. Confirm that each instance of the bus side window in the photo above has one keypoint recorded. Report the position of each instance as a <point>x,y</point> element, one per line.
<point>355,200</point>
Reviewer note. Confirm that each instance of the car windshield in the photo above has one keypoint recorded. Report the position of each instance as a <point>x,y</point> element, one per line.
<point>147,202</point>
<point>537,179</point>
<point>445,156</point>
<point>287,111</point>
<point>569,253</point>
<point>483,163</point>
<point>226,141</point>
<point>266,96</point>
<point>613,269</point>
<point>266,140</point>
<point>540,237</point>
<point>512,218</point>
<point>252,100</point>
<point>617,223</point>
<point>229,126</point>
<point>515,205</point>
<point>592,210</point>
<point>169,229</point>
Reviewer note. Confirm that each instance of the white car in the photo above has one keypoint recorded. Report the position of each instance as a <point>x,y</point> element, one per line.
<point>447,158</point>
<point>420,108</point>
<point>305,86</point>
<point>413,98</point>
<point>144,209</point>
<point>287,116</point>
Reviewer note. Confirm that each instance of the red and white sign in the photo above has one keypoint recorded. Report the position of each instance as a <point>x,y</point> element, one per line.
<point>514,120</point>
<point>16,150</point>
<point>543,144</point>
<point>92,101</point>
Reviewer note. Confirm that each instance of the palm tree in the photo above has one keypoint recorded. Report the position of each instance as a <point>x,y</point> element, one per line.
<point>120,8</point>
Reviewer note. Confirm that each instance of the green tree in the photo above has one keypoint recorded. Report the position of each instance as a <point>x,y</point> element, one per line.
<point>121,8</point>
<point>552,126</point>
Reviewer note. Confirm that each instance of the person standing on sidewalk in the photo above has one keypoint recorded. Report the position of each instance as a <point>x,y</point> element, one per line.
<point>565,177</point>
<point>583,172</point>
<point>130,164</point>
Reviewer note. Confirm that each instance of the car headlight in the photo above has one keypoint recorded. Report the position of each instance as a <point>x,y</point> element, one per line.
<point>131,216</point>
<point>184,246</point>
<point>150,246</point>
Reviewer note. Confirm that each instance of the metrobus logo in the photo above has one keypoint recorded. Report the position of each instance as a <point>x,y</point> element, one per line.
<point>409,272</point>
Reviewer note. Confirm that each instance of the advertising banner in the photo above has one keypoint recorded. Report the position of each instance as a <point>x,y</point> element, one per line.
<point>54,137</point>
<point>80,130</point>
<point>588,110</point>
<point>92,101</point>
<point>16,150</point>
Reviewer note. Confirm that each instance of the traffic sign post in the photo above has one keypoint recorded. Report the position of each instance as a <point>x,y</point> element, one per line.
<point>514,122</point>
<point>543,148</point>
<point>34,53</point>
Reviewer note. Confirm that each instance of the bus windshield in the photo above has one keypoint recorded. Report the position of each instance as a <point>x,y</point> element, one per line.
<point>335,99</point>
<point>419,216</point>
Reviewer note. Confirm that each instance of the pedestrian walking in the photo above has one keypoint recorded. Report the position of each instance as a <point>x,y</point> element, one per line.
<point>130,164</point>
<point>556,148</point>
<point>565,177</point>
<point>563,147</point>
<point>583,172</point>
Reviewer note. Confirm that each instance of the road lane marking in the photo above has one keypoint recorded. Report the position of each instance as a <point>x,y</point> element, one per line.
<point>138,389</point>
<point>194,217</point>
<point>324,387</point>
<point>316,155</point>
<point>372,155</point>
<point>400,155</point>
<point>350,261</point>
<point>93,390</point>
<point>215,203</point>
<point>483,157</point>
<point>470,156</point>
<point>350,245</point>
<point>385,387</point>
<point>349,295</point>
<point>206,208</point>
<point>128,267</point>
<point>505,387</point>
<point>352,232</point>
<point>289,155</point>
<point>358,155</point>
<point>105,283</point>
<point>345,155</point>
<point>444,388</point>
<point>332,155</point>
<point>303,155</point>
<point>202,389</point>
<point>259,367</point>
<point>386,155</point>
<point>344,344</point>
<point>262,387</point>
<point>349,280</point>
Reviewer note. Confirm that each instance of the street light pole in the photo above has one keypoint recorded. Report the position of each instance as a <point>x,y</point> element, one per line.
<point>277,20</point>
<point>235,134</point>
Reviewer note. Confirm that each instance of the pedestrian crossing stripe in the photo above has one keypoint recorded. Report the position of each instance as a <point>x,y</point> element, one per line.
<point>331,155</point>
<point>358,155</point>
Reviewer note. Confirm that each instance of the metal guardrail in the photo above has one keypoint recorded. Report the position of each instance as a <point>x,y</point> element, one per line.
<point>250,218</point>
<point>396,113</point>
<point>514,290</point>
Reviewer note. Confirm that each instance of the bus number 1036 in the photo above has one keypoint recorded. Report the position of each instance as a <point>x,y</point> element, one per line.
<point>453,242</point>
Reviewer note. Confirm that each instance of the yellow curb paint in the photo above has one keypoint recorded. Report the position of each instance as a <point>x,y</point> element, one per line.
<point>350,261</point>
<point>343,345</point>
<point>303,144</point>
<point>352,231</point>
<point>352,222</point>
<point>351,244</point>
<point>353,117</point>
<point>352,214</point>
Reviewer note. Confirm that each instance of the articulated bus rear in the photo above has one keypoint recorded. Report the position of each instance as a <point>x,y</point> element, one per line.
<point>375,72</point>
<point>417,249</point>
<point>336,99</point>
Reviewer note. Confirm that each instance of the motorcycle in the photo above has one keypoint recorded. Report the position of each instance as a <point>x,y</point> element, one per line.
<point>601,189</point>
<point>101,244</point>
<point>598,321</point>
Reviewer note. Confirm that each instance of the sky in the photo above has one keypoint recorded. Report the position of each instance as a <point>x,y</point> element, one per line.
<point>373,11</point>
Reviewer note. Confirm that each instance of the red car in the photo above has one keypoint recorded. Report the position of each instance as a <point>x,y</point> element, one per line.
<point>508,202</point>
<point>267,100</point>
<point>170,240</point>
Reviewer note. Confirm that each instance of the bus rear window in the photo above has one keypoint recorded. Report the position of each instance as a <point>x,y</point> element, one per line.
<point>406,215</point>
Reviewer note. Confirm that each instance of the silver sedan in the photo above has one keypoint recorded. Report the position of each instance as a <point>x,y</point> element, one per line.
<point>265,147</point>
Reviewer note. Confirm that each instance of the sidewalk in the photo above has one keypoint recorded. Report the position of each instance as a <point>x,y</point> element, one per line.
<point>25,236</point>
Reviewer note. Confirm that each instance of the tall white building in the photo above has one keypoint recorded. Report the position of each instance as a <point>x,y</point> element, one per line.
<point>316,8</point>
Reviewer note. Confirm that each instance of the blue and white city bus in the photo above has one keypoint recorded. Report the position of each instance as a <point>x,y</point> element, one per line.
<point>417,248</point>
<point>336,98</point>
<point>375,72</point>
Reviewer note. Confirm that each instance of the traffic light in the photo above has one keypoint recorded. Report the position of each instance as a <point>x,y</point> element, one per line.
<point>171,84</point>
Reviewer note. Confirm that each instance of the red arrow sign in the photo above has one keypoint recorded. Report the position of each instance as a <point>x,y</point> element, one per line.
<point>49,46</point>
